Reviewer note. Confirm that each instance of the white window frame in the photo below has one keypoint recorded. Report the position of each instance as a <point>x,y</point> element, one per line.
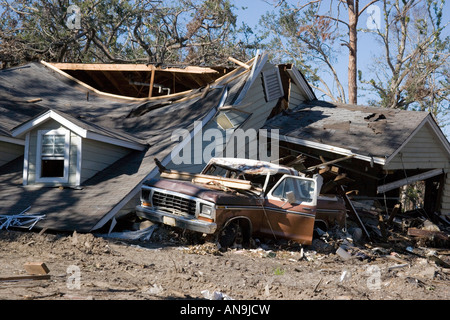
<point>316,192</point>
<point>41,134</point>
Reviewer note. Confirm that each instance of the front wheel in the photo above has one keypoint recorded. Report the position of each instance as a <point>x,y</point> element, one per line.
<point>234,233</point>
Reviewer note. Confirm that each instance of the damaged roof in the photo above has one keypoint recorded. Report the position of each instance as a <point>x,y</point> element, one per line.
<point>366,131</point>
<point>149,122</point>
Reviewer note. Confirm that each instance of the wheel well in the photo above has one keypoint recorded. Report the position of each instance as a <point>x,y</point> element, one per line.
<point>321,225</point>
<point>244,223</point>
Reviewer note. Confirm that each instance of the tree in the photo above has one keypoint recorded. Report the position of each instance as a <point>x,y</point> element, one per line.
<point>313,31</point>
<point>140,31</point>
<point>413,72</point>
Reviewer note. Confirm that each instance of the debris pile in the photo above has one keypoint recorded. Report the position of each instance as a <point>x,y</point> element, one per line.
<point>21,220</point>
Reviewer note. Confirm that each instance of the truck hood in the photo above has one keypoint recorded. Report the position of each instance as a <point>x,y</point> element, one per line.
<point>201,191</point>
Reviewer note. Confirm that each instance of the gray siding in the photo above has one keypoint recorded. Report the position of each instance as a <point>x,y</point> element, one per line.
<point>445,202</point>
<point>296,95</point>
<point>9,152</point>
<point>96,156</point>
<point>253,103</point>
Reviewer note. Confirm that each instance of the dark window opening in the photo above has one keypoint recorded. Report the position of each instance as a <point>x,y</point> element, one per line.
<point>52,169</point>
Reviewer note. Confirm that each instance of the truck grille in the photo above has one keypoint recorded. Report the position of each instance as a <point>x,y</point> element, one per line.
<point>172,202</point>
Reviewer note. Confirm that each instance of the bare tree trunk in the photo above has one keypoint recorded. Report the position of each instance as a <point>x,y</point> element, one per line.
<point>352,47</point>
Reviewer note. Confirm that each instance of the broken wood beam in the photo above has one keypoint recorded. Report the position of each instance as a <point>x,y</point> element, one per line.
<point>207,179</point>
<point>226,182</point>
<point>352,210</point>
<point>329,162</point>
<point>393,213</point>
<point>409,180</point>
<point>152,81</point>
<point>421,233</point>
<point>239,63</point>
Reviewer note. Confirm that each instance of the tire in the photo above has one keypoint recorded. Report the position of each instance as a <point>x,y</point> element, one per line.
<point>234,233</point>
<point>228,235</point>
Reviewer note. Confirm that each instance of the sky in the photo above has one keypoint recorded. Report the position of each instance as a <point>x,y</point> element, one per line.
<point>366,48</point>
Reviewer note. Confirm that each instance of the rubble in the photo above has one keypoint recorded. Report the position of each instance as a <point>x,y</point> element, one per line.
<point>21,220</point>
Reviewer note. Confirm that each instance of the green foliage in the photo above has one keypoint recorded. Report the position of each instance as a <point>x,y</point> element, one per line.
<point>146,31</point>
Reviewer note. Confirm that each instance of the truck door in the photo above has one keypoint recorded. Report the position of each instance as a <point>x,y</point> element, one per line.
<point>290,208</point>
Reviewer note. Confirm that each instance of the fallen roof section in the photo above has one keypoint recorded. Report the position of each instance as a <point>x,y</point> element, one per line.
<point>368,133</point>
<point>147,123</point>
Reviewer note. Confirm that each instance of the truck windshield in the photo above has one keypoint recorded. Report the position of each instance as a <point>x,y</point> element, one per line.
<point>303,189</point>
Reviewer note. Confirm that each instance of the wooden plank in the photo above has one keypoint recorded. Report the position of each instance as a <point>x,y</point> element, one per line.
<point>206,179</point>
<point>26,277</point>
<point>409,180</point>
<point>428,234</point>
<point>129,67</point>
<point>152,81</point>
<point>36,268</point>
<point>393,213</point>
<point>229,183</point>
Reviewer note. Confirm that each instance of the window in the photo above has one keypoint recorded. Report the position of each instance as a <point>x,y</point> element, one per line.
<point>52,156</point>
<point>231,119</point>
<point>302,189</point>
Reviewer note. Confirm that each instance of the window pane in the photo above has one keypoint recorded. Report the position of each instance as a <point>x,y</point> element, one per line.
<point>52,169</point>
<point>303,189</point>
<point>279,191</point>
<point>53,144</point>
<point>47,150</point>
<point>59,151</point>
<point>48,139</point>
<point>60,139</point>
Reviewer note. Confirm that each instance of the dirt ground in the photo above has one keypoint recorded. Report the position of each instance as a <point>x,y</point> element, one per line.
<point>167,266</point>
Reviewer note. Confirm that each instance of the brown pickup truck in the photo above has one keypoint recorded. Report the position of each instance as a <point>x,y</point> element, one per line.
<point>236,199</point>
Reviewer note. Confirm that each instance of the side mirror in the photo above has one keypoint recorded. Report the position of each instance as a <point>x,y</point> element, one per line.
<point>290,197</point>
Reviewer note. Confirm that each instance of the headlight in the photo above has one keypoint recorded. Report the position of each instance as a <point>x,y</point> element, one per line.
<point>206,210</point>
<point>145,198</point>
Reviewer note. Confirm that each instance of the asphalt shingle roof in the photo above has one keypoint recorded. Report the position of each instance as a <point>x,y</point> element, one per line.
<point>367,131</point>
<point>81,209</point>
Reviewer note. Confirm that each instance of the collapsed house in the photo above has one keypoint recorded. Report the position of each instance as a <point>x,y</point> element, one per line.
<point>78,156</point>
<point>373,152</point>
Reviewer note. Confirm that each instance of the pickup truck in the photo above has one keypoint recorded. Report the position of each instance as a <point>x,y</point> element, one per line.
<point>236,199</point>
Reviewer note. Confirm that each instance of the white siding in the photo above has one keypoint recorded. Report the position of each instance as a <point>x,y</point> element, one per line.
<point>97,156</point>
<point>9,152</point>
<point>423,151</point>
